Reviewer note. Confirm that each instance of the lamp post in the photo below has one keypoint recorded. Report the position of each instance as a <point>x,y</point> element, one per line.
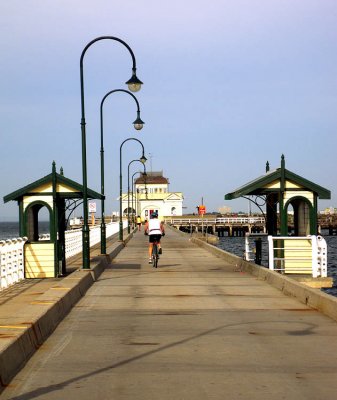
<point>143,160</point>
<point>132,195</point>
<point>129,189</point>
<point>134,85</point>
<point>132,192</point>
<point>138,125</point>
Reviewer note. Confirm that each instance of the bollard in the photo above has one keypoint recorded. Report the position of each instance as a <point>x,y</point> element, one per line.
<point>258,251</point>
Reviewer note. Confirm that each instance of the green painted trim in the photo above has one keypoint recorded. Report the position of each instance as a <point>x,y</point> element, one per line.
<point>313,218</point>
<point>53,228</point>
<point>271,214</point>
<point>48,179</point>
<point>256,187</point>
<point>282,176</point>
<point>283,217</point>
<point>21,220</point>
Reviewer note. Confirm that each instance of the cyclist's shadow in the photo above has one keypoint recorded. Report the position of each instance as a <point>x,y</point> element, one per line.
<point>163,265</point>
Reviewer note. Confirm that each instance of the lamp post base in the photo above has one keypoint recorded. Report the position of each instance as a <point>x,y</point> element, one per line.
<point>103,238</point>
<point>86,247</point>
<point>121,230</point>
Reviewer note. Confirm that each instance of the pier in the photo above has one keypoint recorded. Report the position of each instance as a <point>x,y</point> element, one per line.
<point>239,226</point>
<point>232,226</point>
<point>328,223</point>
<point>203,325</point>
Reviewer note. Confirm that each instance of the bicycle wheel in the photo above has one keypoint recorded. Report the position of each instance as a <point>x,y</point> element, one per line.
<point>154,255</point>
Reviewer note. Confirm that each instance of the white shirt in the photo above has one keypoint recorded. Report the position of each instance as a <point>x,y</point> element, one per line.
<point>154,227</point>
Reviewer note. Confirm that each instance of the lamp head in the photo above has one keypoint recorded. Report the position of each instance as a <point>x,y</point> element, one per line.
<point>143,159</point>
<point>138,124</point>
<point>134,84</point>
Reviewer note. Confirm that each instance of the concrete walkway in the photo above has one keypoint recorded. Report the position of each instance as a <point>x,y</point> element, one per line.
<point>195,328</point>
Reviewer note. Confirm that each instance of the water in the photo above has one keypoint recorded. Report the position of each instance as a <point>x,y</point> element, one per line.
<point>236,245</point>
<point>10,230</point>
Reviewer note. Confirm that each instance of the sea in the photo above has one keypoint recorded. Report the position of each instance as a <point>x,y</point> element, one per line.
<point>10,230</point>
<point>235,245</point>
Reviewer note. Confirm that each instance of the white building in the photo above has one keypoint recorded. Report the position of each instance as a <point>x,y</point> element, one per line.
<point>151,193</point>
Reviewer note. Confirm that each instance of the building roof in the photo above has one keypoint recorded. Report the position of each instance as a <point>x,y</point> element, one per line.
<point>152,178</point>
<point>264,184</point>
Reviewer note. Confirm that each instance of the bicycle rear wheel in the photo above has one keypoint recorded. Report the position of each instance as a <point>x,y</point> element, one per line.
<point>155,255</point>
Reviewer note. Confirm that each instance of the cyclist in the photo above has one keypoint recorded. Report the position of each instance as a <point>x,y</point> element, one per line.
<point>155,229</point>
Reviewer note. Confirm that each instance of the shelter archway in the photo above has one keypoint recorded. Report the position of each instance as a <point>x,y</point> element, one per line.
<point>32,221</point>
<point>304,215</point>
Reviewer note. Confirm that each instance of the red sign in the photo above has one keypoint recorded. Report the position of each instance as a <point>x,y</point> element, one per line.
<point>202,210</point>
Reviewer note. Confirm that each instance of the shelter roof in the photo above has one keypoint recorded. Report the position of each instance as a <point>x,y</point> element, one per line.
<point>268,183</point>
<point>64,187</point>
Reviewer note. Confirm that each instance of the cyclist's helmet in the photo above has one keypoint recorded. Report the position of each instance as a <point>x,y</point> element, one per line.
<point>154,214</point>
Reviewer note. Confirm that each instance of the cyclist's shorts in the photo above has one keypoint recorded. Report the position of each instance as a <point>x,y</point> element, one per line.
<point>154,238</point>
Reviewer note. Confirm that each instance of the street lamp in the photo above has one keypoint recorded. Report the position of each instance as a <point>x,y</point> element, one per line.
<point>129,189</point>
<point>143,160</point>
<point>138,125</point>
<point>132,192</point>
<point>134,85</point>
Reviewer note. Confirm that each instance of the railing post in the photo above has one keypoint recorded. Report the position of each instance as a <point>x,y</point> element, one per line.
<point>314,256</point>
<point>3,276</point>
<point>271,252</point>
<point>247,258</point>
<point>322,256</point>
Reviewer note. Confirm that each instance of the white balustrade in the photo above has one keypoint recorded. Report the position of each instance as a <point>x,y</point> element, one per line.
<point>311,250</point>
<point>12,254</point>
<point>73,237</point>
<point>73,242</point>
<point>11,261</point>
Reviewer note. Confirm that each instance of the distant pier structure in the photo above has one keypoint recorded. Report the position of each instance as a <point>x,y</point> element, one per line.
<point>327,223</point>
<point>229,226</point>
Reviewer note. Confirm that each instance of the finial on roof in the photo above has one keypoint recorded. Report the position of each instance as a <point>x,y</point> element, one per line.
<point>283,163</point>
<point>267,166</point>
<point>61,171</point>
<point>54,167</point>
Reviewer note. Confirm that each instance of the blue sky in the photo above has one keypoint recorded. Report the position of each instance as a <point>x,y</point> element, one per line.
<point>228,85</point>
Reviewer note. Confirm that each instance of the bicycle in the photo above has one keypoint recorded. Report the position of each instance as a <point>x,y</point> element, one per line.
<point>155,255</point>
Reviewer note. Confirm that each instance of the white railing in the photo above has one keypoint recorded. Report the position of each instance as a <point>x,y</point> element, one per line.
<point>298,255</point>
<point>11,261</point>
<point>238,220</point>
<point>212,221</point>
<point>73,237</point>
<point>12,254</point>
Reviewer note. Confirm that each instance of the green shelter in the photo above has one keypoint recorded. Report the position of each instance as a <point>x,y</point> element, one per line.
<point>54,192</point>
<point>280,189</point>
